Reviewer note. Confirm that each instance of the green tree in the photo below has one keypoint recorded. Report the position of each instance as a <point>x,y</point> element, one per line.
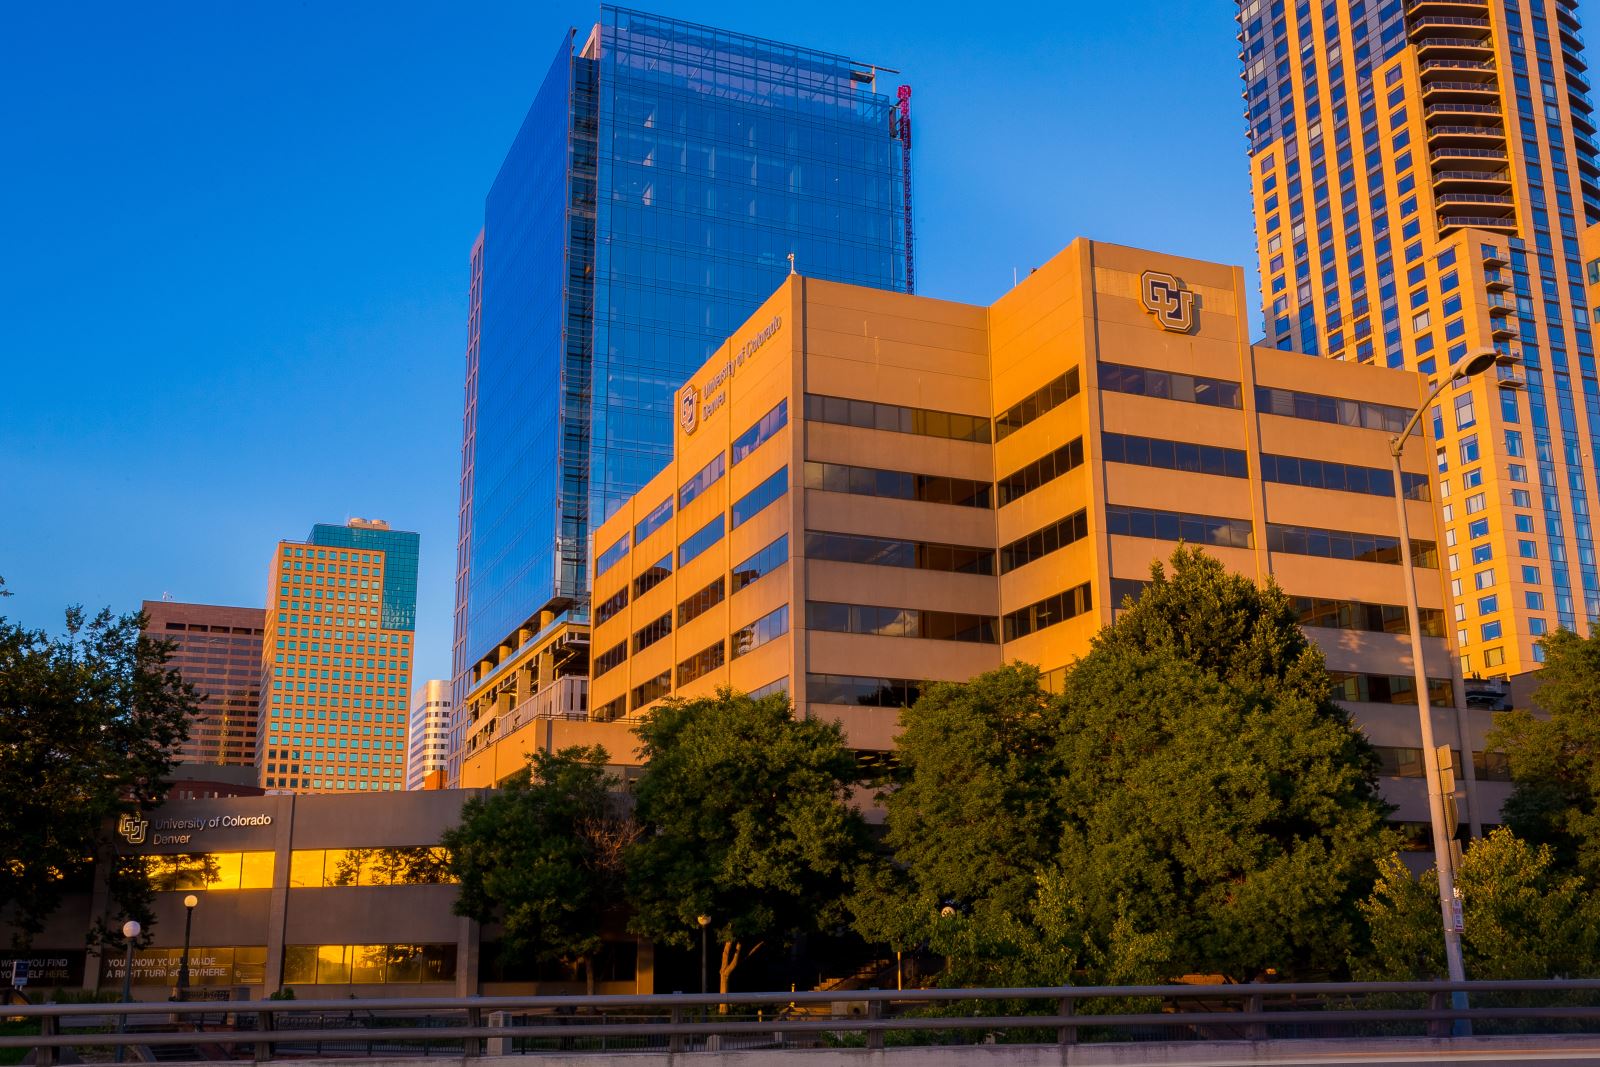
<point>1555,757</point>
<point>538,856</point>
<point>89,722</point>
<point>1523,918</point>
<point>1217,799</point>
<point>746,818</point>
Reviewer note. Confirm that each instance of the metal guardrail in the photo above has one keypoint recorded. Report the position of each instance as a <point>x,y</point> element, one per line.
<point>1063,1015</point>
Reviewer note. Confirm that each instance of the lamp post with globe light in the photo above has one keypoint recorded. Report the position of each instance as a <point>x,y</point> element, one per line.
<point>183,961</point>
<point>130,933</point>
<point>1468,366</point>
<point>704,921</point>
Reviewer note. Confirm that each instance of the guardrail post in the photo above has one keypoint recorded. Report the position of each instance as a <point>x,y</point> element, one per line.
<point>874,1013</point>
<point>675,1039</point>
<point>45,1055</point>
<point>1438,1027</point>
<point>473,1046</point>
<point>1067,1033</point>
<point>264,1025</point>
<point>1255,1031</point>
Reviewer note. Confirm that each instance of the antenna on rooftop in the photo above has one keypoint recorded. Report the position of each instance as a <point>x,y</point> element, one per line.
<point>791,263</point>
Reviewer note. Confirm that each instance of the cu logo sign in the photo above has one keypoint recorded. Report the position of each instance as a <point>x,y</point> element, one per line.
<point>1167,299</point>
<point>689,409</point>
<point>132,828</point>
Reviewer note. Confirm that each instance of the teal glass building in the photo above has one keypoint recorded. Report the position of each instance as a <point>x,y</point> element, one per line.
<point>650,201</point>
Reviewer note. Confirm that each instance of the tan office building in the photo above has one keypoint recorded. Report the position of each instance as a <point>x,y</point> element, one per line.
<point>871,490</point>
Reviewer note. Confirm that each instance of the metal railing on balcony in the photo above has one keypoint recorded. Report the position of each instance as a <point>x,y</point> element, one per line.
<point>1450,20</point>
<point>1474,198</point>
<point>1507,1015</point>
<point>1479,221</point>
<point>1458,108</point>
<point>1466,43</point>
<point>1501,176</point>
<point>1456,64</point>
<point>1456,130</point>
<point>1448,152</point>
<point>1443,86</point>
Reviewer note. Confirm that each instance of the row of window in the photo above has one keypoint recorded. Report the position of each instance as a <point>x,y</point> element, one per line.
<point>651,632</point>
<point>1044,399</point>
<point>761,432</point>
<point>209,870</point>
<point>1177,526</point>
<point>1388,688</point>
<point>1190,388</point>
<point>759,498</point>
<point>1399,762</point>
<point>652,576</point>
<point>702,601</point>
<point>869,415</point>
<point>1342,544</point>
<point>1025,550</point>
<point>703,662</point>
<point>704,479</point>
<point>864,692</point>
<point>1357,615</point>
<point>1047,468</point>
<point>894,552</point>
<point>898,485</point>
<point>1322,474</point>
<point>1318,408</point>
<point>1174,455</point>
<point>901,622</point>
<point>418,865</point>
<point>1065,605</point>
<point>368,964</point>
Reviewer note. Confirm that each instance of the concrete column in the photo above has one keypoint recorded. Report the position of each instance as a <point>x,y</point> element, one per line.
<point>467,952</point>
<point>278,911</point>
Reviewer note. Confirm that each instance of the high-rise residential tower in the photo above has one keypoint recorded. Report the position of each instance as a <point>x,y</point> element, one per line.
<point>218,651</point>
<point>429,732</point>
<point>1422,171</point>
<point>662,183</point>
<point>336,660</point>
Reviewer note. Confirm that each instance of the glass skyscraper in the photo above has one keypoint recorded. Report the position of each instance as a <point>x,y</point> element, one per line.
<point>1422,172</point>
<point>660,181</point>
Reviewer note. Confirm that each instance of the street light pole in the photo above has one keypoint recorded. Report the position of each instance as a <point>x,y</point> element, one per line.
<point>1473,363</point>
<point>130,933</point>
<point>183,962</point>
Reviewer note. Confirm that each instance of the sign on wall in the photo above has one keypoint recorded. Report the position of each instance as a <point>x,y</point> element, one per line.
<point>1168,300</point>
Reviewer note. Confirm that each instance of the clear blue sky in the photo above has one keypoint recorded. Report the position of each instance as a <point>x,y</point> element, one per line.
<point>235,239</point>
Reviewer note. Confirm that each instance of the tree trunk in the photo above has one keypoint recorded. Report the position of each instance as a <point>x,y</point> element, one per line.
<point>588,971</point>
<point>732,953</point>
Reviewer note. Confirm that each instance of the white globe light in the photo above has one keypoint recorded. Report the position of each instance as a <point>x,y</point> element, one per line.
<point>131,928</point>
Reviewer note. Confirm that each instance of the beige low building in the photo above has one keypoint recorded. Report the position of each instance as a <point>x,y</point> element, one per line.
<point>870,491</point>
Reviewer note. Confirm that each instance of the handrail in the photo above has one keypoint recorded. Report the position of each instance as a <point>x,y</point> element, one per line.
<point>672,1016</point>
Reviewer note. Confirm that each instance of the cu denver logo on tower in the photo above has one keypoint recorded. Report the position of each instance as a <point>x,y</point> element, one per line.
<point>1166,298</point>
<point>689,408</point>
<point>132,828</point>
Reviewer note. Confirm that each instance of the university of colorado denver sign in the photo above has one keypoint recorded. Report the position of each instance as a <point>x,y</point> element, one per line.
<point>696,404</point>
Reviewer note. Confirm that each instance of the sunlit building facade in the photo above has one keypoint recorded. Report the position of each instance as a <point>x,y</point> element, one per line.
<point>871,491</point>
<point>336,660</point>
<point>662,179</point>
<point>217,649</point>
<point>1422,172</point>
<point>428,736</point>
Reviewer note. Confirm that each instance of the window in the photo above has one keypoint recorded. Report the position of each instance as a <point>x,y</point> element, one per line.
<point>1317,408</point>
<point>899,485</point>
<point>1521,499</point>
<point>1465,415</point>
<point>891,552</point>
<point>368,964</point>
<point>1469,449</point>
<point>1524,523</point>
<point>1476,503</point>
<point>613,657</point>
<point>1044,541</point>
<point>896,419</point>
<point>1174,455</point>
<point>758,435</point>
<point>700,540</point>
<point>1387,689</point>
<point>701,602</point>
<point>866,692</point>
<point>1356,615</point>
<point>181,871</point>
<point>753,502</point>
<point>901,622</point>
<point>1143,381</point>
<point>1488,605</point>
<point>653,521</point>
<point>1026,479</point>
<point>1530,575</point>
<point>761,564</point>
<point>1039,402</point>
<point>1176,526</point>
<point>1534,599</point>
<point>1495,657</point>
<point>701,663</point>
<point>1323,474</point>
<point>652,576</point>
<point>769,627</point>
<point>1482,553</point>
<point>609,607</point>
<point>707,476</point>
<point>1528,549</point>
<point>1048,612</point>
<point>418,865</point>
<point>1341,544</point>
<point>1484,579</point>
<point>654,689</point>
<point>611,556</point>
<point>1490,631</point>
<point>651,632</point>
<point>1477,528</point>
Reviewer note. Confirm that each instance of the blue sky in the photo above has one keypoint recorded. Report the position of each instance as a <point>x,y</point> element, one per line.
<point>235,238</point>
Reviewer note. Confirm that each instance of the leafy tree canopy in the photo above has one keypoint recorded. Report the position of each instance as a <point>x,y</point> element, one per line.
<point>1524,918</point>
<point>1555,757</point>
<point>88,724</point>
<point>745,818</point>
<point>541,856</point>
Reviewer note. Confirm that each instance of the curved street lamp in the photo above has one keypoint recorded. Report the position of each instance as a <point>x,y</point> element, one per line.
<point>1470,365</point>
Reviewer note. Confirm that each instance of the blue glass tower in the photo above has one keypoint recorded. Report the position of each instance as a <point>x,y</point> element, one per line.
<point>648,204</point>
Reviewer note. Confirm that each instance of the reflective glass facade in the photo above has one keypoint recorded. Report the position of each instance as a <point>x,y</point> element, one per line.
<point>399,548</point>
<point>650,201</point>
